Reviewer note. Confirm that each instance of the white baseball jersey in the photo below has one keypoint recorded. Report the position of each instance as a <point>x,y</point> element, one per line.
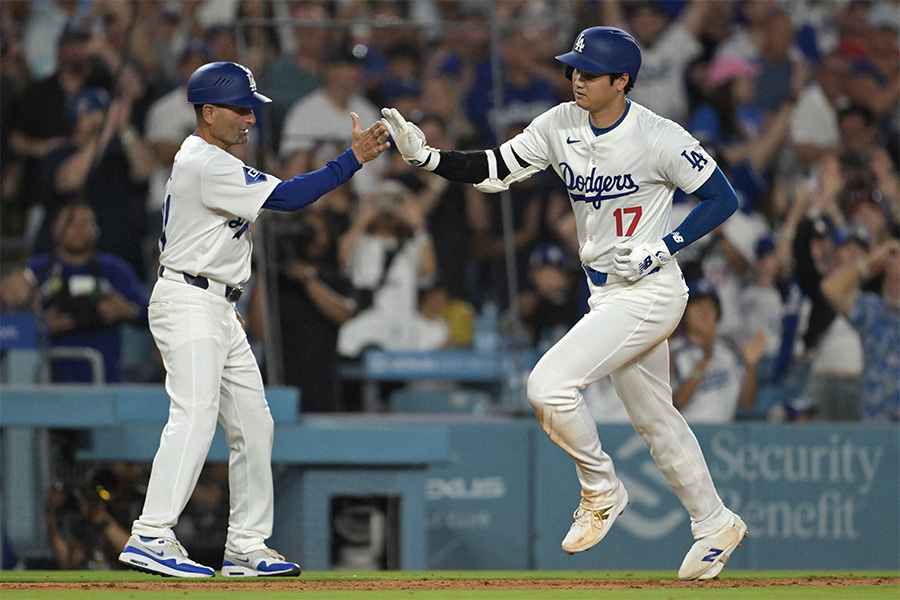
<point>206,229</point>
<point>716,397</point>
<point>621,182</point>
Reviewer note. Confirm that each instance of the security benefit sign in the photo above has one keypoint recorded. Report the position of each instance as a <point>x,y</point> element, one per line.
<point>812,496</point>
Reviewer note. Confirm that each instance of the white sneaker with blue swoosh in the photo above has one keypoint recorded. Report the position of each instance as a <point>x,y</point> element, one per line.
<point>259,563</point>
<point>161,556</point>
<point>707,557</point>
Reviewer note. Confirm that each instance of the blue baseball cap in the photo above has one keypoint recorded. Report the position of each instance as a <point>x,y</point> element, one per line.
<point>765,245</point>
<point>852,232</point>
<point>549,254</point>
<point>87,100</point>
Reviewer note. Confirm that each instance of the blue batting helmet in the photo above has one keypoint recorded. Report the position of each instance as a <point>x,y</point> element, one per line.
<point>603,50</point>
<point>224,83</point>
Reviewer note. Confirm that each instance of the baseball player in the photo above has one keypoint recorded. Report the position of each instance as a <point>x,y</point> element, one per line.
<point>211,374</point>
<point>621,164</point>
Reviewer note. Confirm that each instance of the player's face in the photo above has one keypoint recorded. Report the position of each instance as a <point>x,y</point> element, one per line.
<point>231,124</point>
<point>594,92</point>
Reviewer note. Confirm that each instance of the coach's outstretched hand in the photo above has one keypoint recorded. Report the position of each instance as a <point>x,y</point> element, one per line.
<point>368,144</point>
<point>410,140</point>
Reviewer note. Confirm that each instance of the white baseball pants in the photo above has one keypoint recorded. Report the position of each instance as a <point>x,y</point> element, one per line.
<point>211,375</point>
<point>624,335</point>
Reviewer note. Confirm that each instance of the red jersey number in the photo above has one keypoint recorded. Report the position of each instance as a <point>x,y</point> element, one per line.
<point>621,215</point>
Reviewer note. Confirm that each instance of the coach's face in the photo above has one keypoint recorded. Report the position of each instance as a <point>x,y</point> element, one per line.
<point>229,125</point>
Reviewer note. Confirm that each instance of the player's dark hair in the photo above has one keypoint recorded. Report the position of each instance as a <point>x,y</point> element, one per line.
<point>198,111</point>
<point>628,86</point>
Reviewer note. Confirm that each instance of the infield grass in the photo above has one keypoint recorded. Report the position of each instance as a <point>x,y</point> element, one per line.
<point>88,585</point>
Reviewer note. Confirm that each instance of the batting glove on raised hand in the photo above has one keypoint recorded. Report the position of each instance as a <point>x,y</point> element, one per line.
<point>410,140</point>
<point>634,263</point>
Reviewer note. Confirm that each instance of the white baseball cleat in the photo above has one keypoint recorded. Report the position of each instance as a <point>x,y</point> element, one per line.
<point>161,556</point>
<point>259,563</point>
<point>707,557</point>
<point>593,520</point>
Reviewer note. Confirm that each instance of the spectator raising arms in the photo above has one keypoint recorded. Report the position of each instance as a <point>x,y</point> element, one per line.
<point>877,318</point>
<point>711,380</point>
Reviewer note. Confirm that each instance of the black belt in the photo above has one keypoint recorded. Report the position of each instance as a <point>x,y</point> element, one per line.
<point>231,293</point>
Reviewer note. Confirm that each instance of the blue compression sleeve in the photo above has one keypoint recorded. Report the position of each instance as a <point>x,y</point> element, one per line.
<point>717,202</point>
<point>307,188</point>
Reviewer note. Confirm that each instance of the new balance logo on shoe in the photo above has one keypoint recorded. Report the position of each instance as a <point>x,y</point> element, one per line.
<point>709,555</point>
<point>713,553</point>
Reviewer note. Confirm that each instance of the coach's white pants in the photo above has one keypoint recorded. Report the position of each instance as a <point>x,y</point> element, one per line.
<point>624,335</point>
<point>211,375</point>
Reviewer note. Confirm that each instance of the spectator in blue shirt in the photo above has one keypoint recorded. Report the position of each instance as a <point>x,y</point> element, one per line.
<point>85,295</point>
<point>877,318</point>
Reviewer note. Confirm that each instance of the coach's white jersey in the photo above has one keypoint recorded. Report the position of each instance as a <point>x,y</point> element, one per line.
<point>620,182</point>
<point>211,199</point>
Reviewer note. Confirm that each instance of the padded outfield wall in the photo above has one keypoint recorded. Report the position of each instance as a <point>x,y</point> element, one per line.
<point>479,492</point>
<point>813,496</point>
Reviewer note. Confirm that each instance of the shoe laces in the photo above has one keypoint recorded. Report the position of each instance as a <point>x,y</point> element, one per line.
<point>177,545</point>
<point>594,516</point>
<point>272,553</point>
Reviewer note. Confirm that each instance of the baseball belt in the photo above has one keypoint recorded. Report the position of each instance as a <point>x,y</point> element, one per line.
<point>216,287</point>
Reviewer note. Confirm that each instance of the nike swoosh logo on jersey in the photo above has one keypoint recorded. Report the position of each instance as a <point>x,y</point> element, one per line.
<point>569,140</point>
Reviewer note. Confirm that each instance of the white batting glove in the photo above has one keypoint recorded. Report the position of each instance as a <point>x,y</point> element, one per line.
<point>634,263</point>
<point>410,140</point>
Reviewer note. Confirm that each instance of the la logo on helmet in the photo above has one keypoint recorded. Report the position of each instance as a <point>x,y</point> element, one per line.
<point>579,45</point>
<point>249,78</point>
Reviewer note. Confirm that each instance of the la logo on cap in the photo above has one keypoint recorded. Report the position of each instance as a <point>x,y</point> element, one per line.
<point>579,44</point>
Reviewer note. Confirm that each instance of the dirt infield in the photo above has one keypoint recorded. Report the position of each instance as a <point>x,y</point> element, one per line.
<point>450,584</point>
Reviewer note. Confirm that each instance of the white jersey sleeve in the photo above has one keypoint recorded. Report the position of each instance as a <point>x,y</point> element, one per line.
<point>680,157</point>
<point>229,186</point>
<point>533,144</point>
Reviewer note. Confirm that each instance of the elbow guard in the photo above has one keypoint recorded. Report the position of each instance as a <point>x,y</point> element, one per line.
<point>503,173</point>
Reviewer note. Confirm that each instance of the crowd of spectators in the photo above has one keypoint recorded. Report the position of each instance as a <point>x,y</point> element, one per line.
<point>797,100</point>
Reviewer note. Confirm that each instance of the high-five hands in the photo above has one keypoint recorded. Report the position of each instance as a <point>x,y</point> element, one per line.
<point>634,263</point>
<point>410,140</point>
<point>368,144</point>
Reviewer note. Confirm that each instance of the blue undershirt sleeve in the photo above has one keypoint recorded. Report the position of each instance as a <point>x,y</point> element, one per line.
<point>307,188</point>
<point>717,202</point>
